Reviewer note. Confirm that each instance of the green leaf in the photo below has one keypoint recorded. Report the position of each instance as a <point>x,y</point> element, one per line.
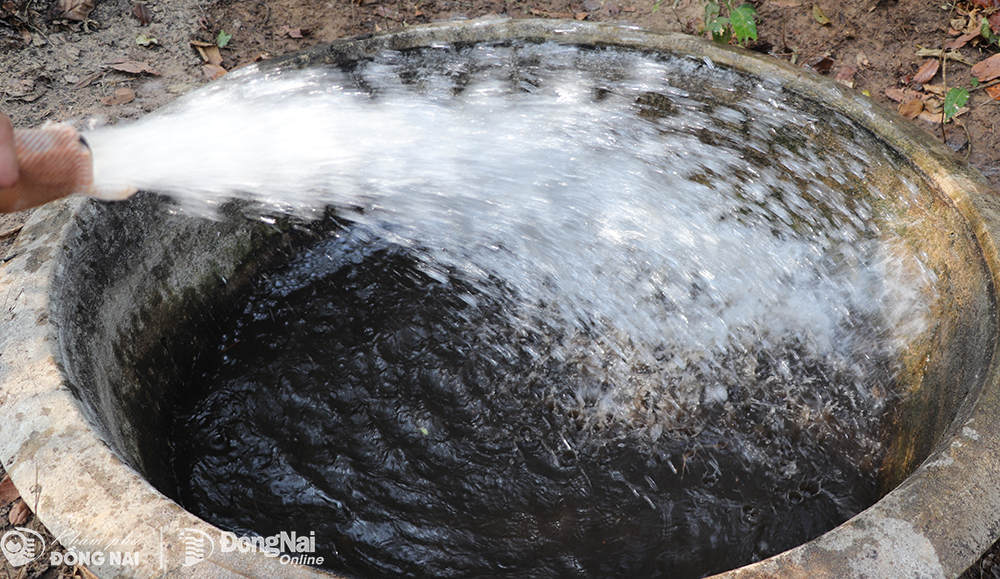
<point>986,31</point>
<point>721,30</point>
<point>223,39</point>
<point>744,23</point>
<point>974,82</point>
<point>712,10</point>
<point>954,100</point>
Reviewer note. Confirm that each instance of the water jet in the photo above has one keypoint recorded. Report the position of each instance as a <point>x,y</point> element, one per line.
<point>102,300</point>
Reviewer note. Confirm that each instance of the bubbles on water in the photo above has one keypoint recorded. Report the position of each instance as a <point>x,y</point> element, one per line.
<point>601,285</point>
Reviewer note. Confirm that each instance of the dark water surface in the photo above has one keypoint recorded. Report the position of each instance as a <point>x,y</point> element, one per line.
<point>418,432</point>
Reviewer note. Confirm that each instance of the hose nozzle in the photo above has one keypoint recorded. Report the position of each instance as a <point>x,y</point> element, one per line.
<point>54,162</point>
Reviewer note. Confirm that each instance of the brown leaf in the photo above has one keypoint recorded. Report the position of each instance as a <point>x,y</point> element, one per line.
<point>299,32</point>
<point>820,65</point>
<point>994,20</point>
<point>988,69</point>
<point>143,13</point>
<point>611,9</point>
<point>560,15</point>
<point>121,96</point>
<point>19,513</point>
<point>85,81</point>
<point>994,92</point>
<point>911,109</point>
<point>900,96</point>
<point>845,73</point>
<point>961,41</point>
<point>387,13</point>
<point>210,54</point>
<point>133,67</point>
<point>926,72</point>
<point>75,9</point>
<point>8,492</point>
<point>213,71</point>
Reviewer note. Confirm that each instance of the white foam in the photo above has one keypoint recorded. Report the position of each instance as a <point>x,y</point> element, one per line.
<point>635,231</point>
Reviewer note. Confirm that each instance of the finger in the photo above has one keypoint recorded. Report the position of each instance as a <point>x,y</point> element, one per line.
<point>8,160</point>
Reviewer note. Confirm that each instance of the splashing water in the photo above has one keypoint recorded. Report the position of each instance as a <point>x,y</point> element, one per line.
<point>662,264</point>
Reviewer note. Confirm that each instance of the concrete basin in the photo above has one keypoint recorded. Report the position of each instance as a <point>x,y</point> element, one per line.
<point>100,302</point>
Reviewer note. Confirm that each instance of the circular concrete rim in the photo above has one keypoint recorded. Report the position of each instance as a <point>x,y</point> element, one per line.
<point>935,524</point>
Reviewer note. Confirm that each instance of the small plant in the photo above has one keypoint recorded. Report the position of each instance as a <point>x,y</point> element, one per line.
<point>741,22</point>
<point>986,31</point>
<point>223,39</point>
<point>953,101</point>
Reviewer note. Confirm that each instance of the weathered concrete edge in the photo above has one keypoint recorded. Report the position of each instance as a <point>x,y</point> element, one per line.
<point>87,497</point>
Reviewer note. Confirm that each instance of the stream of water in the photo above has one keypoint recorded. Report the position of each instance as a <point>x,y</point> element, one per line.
<point>586,312</point>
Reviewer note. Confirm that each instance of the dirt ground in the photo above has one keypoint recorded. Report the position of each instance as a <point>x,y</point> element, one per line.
<point>111,61</point>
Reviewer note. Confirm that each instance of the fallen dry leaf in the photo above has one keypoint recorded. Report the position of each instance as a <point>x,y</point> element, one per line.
<point>821,64</point>
<point>19,513</point>
<point>75,9</point>
<point>122,95</point>
<point>560,15</point>
<point>994,20</point>
<point>387,13</point>
<point>819,17</point>
<point>926,71</point>
<point>85,81</point>
<point>987,69</point>
<point>949,54</point>
<point>210,53</point>
<point>143,13</point>
<point>994,92</point>
<point>213,71</point>
<point>8,492</point>
<point>911,109</point>
<point>133,67</point>
<point>611,9</point>
<point>961,41</point>
<point>900,95</point>
<point>845,76</point>
<point>296,32</point>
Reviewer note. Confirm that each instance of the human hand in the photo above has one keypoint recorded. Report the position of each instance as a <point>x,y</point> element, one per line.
<point>45,164</point>
<point>8,160</point>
